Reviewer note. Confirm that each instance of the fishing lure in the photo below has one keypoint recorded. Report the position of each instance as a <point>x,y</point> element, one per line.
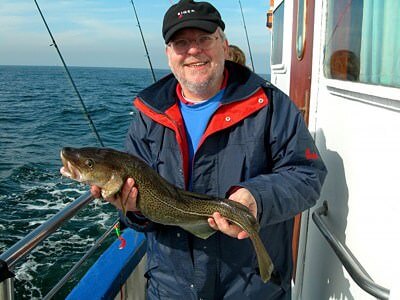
<point>121,239</point>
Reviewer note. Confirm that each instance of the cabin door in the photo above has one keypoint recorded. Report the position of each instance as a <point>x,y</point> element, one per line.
<point>300,76</point>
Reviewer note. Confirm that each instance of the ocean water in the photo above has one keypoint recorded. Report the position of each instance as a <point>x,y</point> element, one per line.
<point>39,114</point>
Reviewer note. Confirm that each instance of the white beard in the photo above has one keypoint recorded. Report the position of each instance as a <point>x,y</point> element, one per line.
<point>200,88</point>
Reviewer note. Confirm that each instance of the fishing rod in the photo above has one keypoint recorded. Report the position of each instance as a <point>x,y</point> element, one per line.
<point>70,77</point>
<point>144,42</point>
<point>247,37</point>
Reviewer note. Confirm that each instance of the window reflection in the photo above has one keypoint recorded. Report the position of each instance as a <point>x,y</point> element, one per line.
<point>363,41</point>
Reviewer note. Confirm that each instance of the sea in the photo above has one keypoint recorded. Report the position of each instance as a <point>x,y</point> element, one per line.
<point>39,114</point>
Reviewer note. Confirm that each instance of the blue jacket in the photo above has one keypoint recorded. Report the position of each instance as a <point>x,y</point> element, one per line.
<point>256,139</point>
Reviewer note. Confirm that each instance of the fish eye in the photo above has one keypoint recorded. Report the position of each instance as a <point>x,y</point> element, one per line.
<point>89,163</point>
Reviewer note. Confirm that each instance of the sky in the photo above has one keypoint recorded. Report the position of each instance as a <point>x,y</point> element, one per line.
<point>105,33</point>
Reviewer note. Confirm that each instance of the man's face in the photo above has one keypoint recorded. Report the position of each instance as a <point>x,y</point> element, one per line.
<point>198,70</point>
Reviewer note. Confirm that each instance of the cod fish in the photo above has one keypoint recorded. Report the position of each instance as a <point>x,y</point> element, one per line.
<point>158,200</point>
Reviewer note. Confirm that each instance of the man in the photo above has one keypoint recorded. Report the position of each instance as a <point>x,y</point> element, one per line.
<point>214,127</point>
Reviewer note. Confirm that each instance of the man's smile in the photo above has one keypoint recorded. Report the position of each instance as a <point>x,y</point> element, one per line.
<point>195,64</point>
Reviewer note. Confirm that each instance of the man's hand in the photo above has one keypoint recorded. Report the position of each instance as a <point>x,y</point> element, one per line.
<point>127,195</point>
<point>218,222</point>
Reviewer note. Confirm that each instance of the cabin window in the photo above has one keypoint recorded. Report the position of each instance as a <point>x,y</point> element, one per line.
<point>277,36</point>
<point>362,41</point>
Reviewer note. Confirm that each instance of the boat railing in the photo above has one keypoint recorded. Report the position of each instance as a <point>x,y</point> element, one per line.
<point>72,271</point>
<point>347,258</point>
<point>23,247</point>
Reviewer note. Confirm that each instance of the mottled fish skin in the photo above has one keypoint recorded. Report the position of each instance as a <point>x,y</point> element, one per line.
<point>158,200</point>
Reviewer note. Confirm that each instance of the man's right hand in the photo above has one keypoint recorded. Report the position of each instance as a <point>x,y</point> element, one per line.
<point>128,195</point>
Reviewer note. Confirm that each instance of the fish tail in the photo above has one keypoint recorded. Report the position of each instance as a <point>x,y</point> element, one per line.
<point>264,261</point>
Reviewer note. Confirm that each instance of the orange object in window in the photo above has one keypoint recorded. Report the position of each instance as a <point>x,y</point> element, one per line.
<point>270,14</point>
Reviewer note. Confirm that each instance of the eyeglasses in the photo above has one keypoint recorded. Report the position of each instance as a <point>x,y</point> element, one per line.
<point>203,42</point>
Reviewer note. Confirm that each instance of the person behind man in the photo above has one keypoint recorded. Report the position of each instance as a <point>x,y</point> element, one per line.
<point>214,127</point>
<point>237,55</point>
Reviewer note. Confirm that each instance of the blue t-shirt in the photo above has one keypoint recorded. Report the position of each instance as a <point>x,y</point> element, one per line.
<point>196,117</point>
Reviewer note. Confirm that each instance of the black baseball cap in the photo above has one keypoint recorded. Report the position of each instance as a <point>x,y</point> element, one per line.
<point>188,13</point>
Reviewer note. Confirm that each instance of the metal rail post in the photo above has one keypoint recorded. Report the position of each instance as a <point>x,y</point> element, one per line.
<point>7,289</point>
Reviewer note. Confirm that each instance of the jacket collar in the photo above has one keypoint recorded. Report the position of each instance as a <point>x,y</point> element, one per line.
<point>241,84</point>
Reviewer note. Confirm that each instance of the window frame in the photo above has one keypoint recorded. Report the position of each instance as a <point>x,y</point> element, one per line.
<point>357,87</point>
<point>279,68</point>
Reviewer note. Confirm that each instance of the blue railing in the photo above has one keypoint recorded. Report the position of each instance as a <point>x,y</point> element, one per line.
<point>123,262</point>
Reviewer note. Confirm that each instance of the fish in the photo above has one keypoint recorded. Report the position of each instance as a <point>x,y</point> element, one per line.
<point>157,199</point>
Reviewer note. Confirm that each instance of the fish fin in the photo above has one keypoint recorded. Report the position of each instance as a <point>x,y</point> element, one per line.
<point>201,230</point>
<point>111,187</point>
<point>197,196</point>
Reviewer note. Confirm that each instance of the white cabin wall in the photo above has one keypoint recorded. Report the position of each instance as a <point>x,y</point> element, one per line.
<point>357,130</point>
<point>360,145</point>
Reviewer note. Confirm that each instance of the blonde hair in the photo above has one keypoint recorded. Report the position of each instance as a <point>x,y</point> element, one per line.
<point>236,55</point>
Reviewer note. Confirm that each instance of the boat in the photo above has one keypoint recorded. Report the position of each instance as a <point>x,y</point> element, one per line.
<point>335,60</point>
<point>338,62</point>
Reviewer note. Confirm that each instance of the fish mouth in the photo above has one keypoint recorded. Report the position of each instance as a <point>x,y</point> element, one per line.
<point>69,170</point>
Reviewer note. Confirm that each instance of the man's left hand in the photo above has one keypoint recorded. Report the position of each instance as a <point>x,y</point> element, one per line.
<point>218,222</point>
